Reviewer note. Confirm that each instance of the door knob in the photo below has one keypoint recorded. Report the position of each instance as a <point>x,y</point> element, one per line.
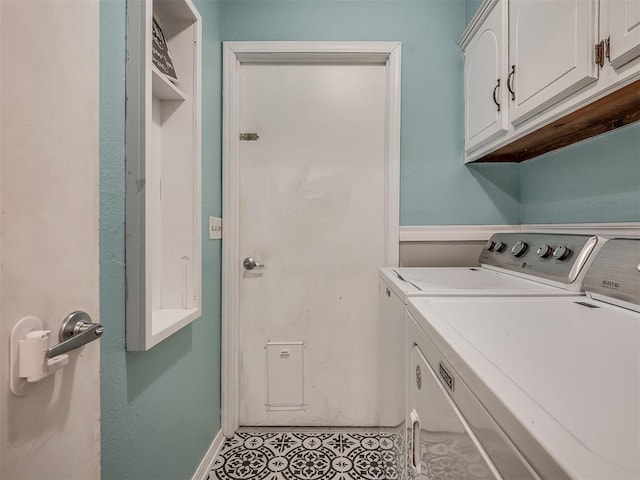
<point>77,330</point>
<point>250,263</point>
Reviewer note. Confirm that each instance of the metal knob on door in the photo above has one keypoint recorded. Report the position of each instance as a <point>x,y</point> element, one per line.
<point>76,331</point>
<point>250,263</point>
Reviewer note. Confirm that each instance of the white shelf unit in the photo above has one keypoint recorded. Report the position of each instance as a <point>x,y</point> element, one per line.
<point>163,196</point>
<point>163,88</point>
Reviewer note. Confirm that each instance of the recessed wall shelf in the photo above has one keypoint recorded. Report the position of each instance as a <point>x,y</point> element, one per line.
<point>163,220</point>
<point>163,88</point>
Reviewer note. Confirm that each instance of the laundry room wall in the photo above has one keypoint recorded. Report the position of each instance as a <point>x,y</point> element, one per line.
<point>436,188</point>
<point>594,181</point>
<point>470,9</point>
<point>161,408</point>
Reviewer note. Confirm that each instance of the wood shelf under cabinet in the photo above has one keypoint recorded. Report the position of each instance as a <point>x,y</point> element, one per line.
<point>615,110</point>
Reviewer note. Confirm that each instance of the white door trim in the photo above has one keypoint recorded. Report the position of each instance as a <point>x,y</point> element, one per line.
<point>235,54</point>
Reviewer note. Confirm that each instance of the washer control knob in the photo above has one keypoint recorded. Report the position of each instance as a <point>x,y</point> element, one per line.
<point>561,253</point>
<point>544,251</point>
<point>519,248</point>
<point>500,246</point>
<point>490,245</point>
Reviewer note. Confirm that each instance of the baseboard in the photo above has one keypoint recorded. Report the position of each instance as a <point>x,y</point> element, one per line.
<point>468,233</point>
<point>207,461</point>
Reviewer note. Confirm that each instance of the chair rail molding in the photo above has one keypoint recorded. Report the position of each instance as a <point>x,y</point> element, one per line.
<point>470,233</point>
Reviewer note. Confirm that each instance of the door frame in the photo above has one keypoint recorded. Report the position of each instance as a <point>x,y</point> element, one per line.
<point>234,55</point>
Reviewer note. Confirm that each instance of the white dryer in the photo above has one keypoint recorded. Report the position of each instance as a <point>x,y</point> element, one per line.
<point>546,387</point>
<point>511,264</point>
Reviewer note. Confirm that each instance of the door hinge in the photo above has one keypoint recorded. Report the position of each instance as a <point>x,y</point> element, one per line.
<point>599,53</point>
<point>249,137</point>
<point>602,51</point>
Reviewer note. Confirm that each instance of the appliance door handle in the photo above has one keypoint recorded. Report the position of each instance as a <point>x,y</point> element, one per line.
<point>416,447</point>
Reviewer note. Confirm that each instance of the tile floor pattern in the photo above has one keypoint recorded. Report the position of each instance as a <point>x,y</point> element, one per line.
<point>308,456</point>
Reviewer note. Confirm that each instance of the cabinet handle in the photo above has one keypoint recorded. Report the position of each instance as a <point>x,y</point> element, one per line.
<point>495,90</point>
<point>513,72</point>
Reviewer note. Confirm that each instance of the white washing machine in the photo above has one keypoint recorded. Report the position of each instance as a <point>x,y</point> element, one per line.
<point>544,387</point>
<point>511,264</point>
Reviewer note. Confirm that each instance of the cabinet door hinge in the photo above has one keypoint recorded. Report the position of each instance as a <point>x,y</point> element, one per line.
<point>599,53</point>
<point>602,51</point>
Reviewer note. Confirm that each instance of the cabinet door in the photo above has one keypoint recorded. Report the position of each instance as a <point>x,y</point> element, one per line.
<point>551,55</point>
<point>624,31</point>
<point>485,87</point>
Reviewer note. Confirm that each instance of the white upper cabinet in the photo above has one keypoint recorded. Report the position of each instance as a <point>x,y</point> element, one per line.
<point>624,31</point>
<point>550,52</point>
<point>486,117</point>
<point>567,70</point>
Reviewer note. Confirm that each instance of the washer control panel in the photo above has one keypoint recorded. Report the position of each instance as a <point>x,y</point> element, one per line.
<point>555,257</point>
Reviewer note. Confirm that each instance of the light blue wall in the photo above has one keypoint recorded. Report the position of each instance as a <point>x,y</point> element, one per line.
<point>597,180</point>
<point>471,6</point>
<point>160,409</point>
<point>436,188</point>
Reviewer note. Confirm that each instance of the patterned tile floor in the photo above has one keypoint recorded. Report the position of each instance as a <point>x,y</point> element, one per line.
<point>293,455</point>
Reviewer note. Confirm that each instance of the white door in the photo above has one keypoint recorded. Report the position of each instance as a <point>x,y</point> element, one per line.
<point>550,52</point>
<point>49,198</point>
<point>486,99</point>
<point>312,211</point>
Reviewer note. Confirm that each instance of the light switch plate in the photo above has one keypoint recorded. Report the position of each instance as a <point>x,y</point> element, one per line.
<point>215,228</point>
